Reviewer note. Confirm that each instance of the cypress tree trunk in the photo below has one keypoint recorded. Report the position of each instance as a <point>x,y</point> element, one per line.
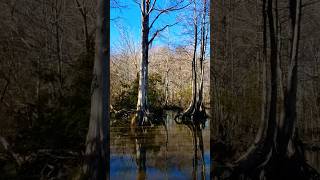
<point>97,150</point>
<point>143,69</point>
<point>192,104</point>
<point>200,107</point>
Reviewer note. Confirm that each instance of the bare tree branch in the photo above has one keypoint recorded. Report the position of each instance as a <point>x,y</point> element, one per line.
<point>116,4</point>
<point>152,6</point>
<point>159,30</point>
<point>169,9</point>
<point>139,4</point>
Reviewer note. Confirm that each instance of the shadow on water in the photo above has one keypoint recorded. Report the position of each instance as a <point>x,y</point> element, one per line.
<point>170,151</point>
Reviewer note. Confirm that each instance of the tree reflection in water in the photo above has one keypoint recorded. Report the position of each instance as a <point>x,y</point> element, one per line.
<point>140,151</point>
<point>166,151</point>
<point>144,138</point>
<point>196,131</point>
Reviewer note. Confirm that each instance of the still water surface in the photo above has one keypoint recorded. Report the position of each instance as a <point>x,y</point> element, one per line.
<point>159,152</point>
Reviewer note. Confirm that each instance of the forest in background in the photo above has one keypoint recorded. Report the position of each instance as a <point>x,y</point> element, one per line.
<point>170,78</point>
<point>46,62</point>
<point>245,70</point>
<point>237,71</point>
<point>169,64</point>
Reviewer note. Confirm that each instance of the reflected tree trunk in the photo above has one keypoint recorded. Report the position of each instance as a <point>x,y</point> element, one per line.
<point>197,145</point>
<point>141,159</point>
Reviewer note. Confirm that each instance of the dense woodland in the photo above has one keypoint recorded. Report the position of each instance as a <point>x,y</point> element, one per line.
<point>170,78</point>
<point>265,88</point>
<point>47,52</point>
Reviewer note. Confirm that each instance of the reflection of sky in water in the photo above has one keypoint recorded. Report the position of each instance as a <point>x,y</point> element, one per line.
<point>174,161</point>
<point>124,167</point>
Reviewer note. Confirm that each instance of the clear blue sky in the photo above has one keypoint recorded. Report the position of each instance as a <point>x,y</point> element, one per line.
<point>129,17</point>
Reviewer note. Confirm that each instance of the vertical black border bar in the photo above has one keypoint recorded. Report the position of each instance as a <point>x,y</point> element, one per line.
<point>106,83</point>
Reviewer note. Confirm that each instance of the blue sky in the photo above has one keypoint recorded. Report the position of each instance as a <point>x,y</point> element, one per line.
<point>129,18</point>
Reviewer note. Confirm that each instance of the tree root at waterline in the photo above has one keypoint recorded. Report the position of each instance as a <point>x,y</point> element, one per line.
<point>141,118</point>
<point>193,114</point>
<point>147,118</point>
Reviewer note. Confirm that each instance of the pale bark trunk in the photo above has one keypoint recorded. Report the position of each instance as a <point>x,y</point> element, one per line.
<point>202,55</point>
<point>194,72</point>
<point>97,151</point>
<point>143,70</point>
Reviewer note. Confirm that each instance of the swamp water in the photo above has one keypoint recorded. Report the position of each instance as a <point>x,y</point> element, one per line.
<point>159,152</point>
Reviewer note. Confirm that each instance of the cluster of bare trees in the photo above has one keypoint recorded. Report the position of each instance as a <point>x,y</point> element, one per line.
<point>196,108</point>
<point>172,65</point>
<point>41,40</point>
<point>47,51</point>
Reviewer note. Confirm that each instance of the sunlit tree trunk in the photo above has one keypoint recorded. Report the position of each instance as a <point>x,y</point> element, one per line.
<point>143,67</point>
<point>202,55</point>
<point>146,7</point>
<point>193,68</point>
